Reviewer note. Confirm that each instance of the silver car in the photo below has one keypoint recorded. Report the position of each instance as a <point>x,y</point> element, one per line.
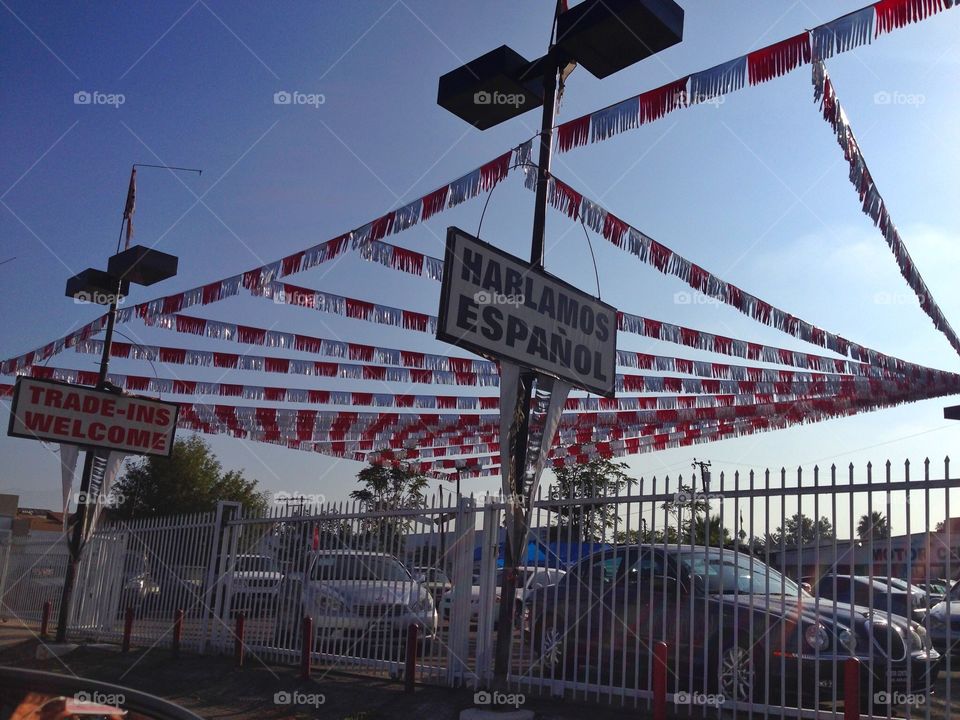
<point>356,595</point>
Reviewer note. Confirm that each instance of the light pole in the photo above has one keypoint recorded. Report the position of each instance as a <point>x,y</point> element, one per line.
<point>140,265</point>
<point>604,36</point>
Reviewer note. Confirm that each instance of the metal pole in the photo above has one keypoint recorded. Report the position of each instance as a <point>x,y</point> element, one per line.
<point>516,525</point>
<point>82,517</point>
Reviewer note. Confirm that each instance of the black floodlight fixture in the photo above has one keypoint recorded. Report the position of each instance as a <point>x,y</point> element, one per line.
<point>142,265</point>
<point>96,286</point>
<point>606,36</point>
<point>493,88</point>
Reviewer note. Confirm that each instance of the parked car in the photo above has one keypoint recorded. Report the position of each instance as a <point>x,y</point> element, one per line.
<point>434,579</point>
<point>255,583</point>
<point>943,620</point>
<point>936,589</point>
<point>529,580</point>
<point>735,625</point>
<point>876,594</point>
<point>356,595</point>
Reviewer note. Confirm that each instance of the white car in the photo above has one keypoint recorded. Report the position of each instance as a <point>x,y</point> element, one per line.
<point>255,583</point>
<point>354,595</point>
<point>529,579</point>
<point>944,622</point>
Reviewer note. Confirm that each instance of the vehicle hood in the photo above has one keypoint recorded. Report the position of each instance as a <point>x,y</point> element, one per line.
<point>371,592</point>
<point>944,610</point>
<point>807,608</point>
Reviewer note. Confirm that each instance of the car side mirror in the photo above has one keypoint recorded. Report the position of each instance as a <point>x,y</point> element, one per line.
<point>807,587</point>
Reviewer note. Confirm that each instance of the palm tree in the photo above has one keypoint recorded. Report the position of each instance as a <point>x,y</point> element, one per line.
<point>873,525</point>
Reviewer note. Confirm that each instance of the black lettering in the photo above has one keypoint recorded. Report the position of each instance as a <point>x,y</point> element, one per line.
<point>516,330</point>
<point>538,342</point>
<point>567,309</point>
<point>491,279</point>
<point>586,319</point>
<point>528,294</point>
<point>467,314</point>
<point>581,359</point>
<point>597,370</point>
<point>512,279</point>
<point>560,350</point>
<point>471,266</point>
<point>546,306</point>
<point>492,329</point>
<point>603,329</point>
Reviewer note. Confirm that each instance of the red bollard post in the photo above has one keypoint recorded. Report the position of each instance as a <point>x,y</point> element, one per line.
<point>45,619</point>
<point>306,648</point>
<point>660,680</point>
<point>238,643</point>
<point>127,629</point>
<point>851,689</point>
<point>177,632</point>
<point>410,675</point>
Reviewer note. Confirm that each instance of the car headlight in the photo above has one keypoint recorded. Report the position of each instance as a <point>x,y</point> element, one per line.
<point>817,637</point>
<point>847,640</point>
<point>919,638</point>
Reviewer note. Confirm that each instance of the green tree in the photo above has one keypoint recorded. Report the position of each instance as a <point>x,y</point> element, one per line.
<point>592,483</point>
<point>385,488</point>
<point>873,526</point>
<point>800,530</point>
<point>691,510</point>
<point>191,480</point>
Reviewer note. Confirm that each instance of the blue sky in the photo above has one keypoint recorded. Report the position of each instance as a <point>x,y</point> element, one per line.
<point>753,188</point>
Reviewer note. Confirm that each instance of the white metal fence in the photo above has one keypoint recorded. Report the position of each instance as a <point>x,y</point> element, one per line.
<point>759,601</point>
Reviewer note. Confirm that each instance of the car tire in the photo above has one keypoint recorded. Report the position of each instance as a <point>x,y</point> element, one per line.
<point>551,649</point>
<point>737,673</point>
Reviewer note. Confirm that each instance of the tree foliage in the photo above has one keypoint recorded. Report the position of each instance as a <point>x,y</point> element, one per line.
<point>596,480</point>
<point>191,480</point>
<point>386,488</point>
<point>873,526</point>
<point>800,530</point>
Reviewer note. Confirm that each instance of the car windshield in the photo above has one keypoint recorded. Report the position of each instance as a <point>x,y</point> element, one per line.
<point>254,563</point>
<point>955,591</point>
<point>729,573</point>
<point>358,567</point>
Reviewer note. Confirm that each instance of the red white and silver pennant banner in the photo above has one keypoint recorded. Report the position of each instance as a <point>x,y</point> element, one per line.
<point>576,206</point>
<point>468,186</point>
<point>408,366</point>
<point>872,203</point>
<point>766,63</point>
<point>700,392</point>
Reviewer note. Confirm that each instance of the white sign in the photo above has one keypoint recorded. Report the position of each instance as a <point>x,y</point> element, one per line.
<point>78,415</point>
<point>495,304</point>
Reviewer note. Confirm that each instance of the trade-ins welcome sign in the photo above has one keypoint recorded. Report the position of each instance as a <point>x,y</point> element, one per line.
<point>78,415</point>
<point>495,304</point>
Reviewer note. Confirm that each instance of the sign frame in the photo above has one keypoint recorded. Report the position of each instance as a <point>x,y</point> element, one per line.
<point>173,407</point>
<point>467,344</point>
